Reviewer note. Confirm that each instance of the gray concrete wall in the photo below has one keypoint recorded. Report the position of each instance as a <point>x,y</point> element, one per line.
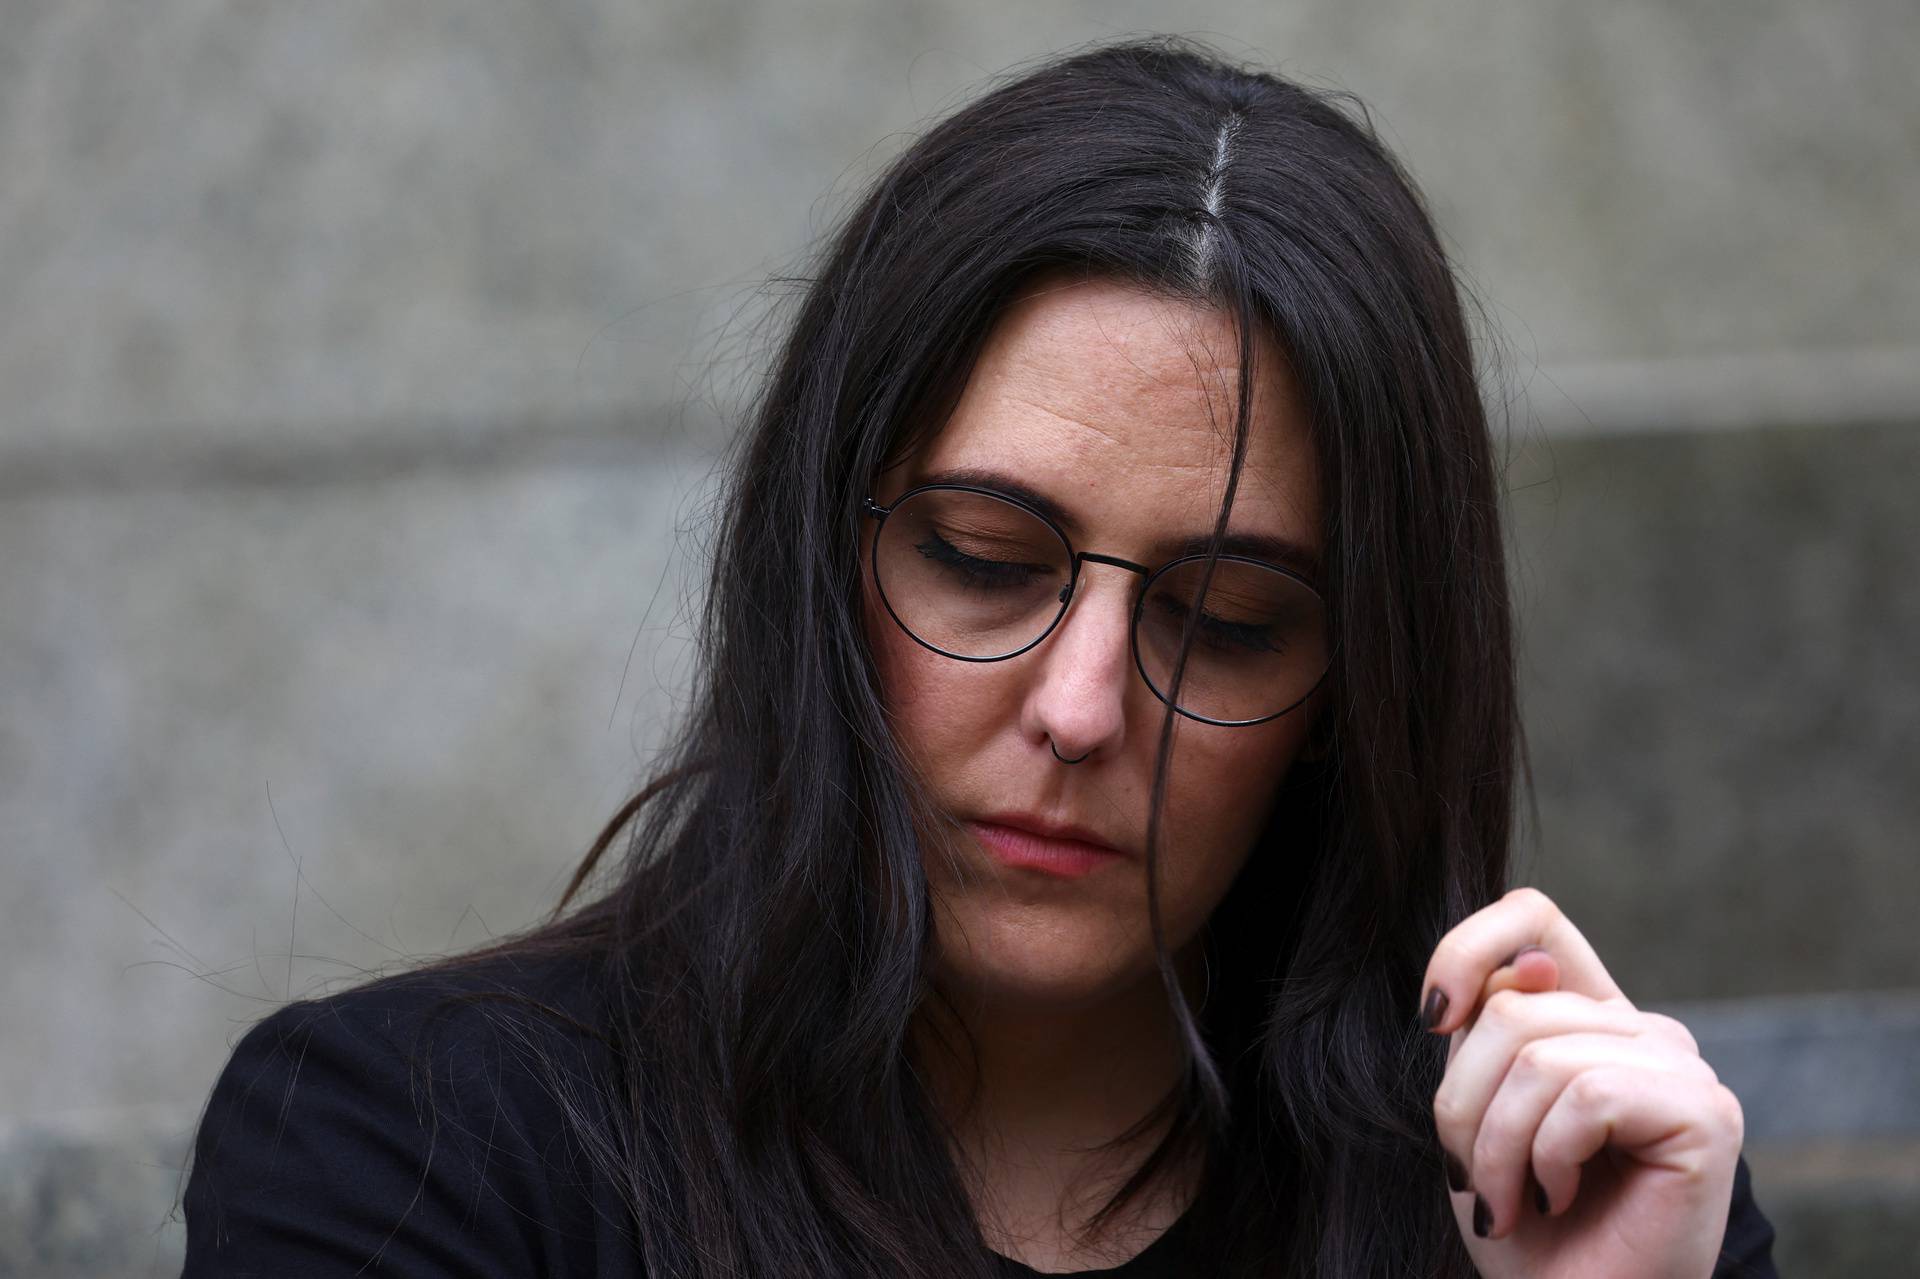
<point>276,221</point>
<point>365,367</point>
<point>1720,635</point>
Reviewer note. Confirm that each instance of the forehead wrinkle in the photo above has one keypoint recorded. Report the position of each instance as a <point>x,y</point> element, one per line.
<point>1069,418</point>
<point>1214,467</point>
<point>1086,392</point>
<point>1183,323</point>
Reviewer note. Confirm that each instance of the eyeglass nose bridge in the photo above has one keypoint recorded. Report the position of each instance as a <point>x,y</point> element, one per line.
<point>1083,557</point>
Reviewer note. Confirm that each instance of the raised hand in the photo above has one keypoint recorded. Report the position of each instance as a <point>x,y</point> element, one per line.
<point>1583,1137</point>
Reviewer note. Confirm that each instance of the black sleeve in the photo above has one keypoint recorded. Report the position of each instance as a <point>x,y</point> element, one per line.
<point>1747,1250</point>
<point>351,1136</point>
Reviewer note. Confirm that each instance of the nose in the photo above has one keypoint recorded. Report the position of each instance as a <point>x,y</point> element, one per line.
<point>1083,675</point>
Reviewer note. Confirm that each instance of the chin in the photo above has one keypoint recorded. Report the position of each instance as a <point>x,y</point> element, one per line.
<point>1035,957</point>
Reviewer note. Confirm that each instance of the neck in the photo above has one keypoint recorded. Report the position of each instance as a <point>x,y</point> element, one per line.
<point>1030,1092</point>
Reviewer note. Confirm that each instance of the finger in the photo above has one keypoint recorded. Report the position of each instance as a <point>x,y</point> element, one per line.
<point>1681,1126</point>
<point>1481,1054</point>
<point>1502,1152</point>
<point>1532,968</point>
<point>1484,941</point>
<point>1530,971</point>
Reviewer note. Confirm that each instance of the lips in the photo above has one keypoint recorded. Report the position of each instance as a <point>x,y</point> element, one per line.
<point>1030,843</point>
<point>1048,829</point>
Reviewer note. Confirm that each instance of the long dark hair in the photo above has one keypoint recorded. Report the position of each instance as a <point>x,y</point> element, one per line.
<point>765,923</point>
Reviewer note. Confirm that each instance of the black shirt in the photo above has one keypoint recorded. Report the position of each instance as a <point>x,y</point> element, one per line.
<point>400,1129</point>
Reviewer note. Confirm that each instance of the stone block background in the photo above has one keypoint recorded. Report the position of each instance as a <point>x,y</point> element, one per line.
<point>365,370</point>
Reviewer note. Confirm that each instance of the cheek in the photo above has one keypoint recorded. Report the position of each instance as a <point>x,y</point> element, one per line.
<point>1222,790</point>
<point>906,684</point>
<point>937,707</point>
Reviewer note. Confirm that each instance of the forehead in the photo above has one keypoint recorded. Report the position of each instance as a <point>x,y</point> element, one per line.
<point>1118,404</point>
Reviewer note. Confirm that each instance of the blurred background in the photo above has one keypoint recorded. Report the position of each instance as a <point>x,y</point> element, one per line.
<point>366,367</point>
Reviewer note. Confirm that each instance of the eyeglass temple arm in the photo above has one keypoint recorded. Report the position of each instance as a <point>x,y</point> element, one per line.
<point>870,507</point>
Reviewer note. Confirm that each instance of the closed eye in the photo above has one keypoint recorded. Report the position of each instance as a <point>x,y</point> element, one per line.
<point>974,570</point>
<point>1219,633</point>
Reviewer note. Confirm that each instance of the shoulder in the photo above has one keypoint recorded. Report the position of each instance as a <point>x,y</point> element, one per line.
<point>426,1122</point>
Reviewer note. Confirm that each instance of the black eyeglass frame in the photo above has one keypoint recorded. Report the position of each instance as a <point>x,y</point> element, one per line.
<point>873,510</point>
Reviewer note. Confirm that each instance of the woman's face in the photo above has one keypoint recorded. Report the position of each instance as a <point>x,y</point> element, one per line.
<point>1117,406</point>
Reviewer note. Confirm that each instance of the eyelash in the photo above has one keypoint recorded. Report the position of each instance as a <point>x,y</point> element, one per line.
<point>999,574</point>
<point>987,574</point>
<point>1214,631</point>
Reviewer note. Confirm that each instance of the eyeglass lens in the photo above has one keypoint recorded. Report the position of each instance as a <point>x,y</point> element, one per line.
<point>975,576</point>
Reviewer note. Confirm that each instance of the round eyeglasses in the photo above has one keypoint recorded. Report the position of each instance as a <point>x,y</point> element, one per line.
<point>981,576</point>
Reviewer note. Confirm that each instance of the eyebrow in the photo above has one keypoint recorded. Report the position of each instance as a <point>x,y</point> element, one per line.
<point>1276,549</point>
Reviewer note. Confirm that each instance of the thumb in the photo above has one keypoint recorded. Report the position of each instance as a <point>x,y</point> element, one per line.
<point>1531,971</point>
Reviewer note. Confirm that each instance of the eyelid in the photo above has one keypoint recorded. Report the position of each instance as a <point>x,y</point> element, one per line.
<point>1300,562</point>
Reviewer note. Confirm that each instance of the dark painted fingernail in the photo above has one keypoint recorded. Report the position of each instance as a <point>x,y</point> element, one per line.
<point>1482,1216</point>
<point>1456,1173</point>
<point>1436,1009</point>
<point>1540,1200</point>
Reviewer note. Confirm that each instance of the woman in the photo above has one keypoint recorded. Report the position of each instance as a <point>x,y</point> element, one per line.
<point>1095,808</point>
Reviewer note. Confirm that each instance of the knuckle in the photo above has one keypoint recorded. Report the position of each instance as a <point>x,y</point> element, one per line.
<point>1732,1118</point>
<point>1534,1057</point>
<point>1672,1028</point>
<point>1448,1113</point>
<point>1528,895</point>
<point>1591,1089</point>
